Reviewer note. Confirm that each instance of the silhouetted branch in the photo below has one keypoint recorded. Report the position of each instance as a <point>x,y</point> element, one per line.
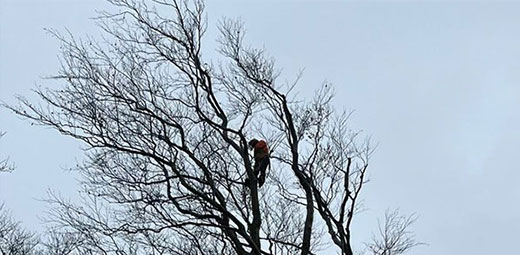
<point>5,165</point>
<point>14,239</point>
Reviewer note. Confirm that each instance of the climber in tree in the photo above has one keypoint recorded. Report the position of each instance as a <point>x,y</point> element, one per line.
<point>261,154</point>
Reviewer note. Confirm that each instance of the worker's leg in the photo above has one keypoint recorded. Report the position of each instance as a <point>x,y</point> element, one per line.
<point>262,169</point>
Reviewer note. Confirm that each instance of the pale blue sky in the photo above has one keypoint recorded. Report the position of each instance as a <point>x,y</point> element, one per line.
<point>435,83</point>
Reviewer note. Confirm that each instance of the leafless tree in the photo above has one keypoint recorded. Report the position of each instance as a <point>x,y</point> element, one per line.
<point>14,239</point>
<point>394,236</point>
<point>166,133</point>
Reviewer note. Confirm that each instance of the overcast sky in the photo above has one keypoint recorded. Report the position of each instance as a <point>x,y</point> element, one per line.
<point>436,84</point>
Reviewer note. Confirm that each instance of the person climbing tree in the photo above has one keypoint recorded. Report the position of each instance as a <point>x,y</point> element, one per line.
<point>261,155</point>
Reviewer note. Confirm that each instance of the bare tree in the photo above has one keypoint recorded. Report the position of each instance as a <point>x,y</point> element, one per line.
<point>394,236</point>
<point>167,142</point>
<point>14,239</point>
